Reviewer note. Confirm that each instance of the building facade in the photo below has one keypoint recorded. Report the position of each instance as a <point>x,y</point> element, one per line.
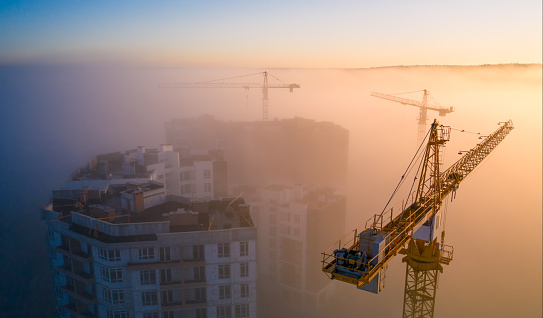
<point>196,176</point>
<point>169,260</point>
<point>295,225</point>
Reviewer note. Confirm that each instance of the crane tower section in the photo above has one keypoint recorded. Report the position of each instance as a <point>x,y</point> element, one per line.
<point>362,256</point>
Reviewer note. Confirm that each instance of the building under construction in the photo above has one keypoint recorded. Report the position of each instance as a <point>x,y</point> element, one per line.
<point>264,152</point>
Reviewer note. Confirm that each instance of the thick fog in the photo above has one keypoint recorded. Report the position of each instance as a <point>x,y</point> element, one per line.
<point>54,119</point>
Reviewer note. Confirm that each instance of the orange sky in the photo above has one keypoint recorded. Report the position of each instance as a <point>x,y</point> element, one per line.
<point>274,34</point>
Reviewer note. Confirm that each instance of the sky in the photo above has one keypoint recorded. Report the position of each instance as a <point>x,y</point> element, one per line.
<point>280,34</point>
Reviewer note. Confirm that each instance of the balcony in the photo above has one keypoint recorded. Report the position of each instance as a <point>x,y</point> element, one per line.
<point>84,277</point>
<point>189,304</point>
<point>171,285</point>
<point>66,269</point>
<point>82,295</point>
<point>195,262</point>
<point>79,256</point>
<point>72,310</point>
<point>182,284</point>
<point>150,266</point>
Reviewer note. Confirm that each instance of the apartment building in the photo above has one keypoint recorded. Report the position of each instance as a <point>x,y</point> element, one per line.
<point>196,175</point>
<point>133,251</point>
<point>295,225</point>
<point>296,150</point>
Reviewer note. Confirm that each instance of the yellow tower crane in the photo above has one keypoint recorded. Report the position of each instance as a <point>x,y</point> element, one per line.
<point>423,106</point>
<point>217,84</point>
<point>362,256</point>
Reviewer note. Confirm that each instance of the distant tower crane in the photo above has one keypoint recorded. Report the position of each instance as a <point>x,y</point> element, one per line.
<point>216,84</point>
<point>361,259</point>
<point>422,105</point>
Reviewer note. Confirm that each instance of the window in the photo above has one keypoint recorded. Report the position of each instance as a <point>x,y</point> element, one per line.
<point>244,269</point>
<point>146,253</point>
<point>148,277</point>
<point>149,298</point>
<point>285,216</point>
<point>69,283</point>
<point>165,255</point>
<point>207,187</point>
<point>110,255</point>
<point>51,233</point>
<point>297,219</point>
<point>273,219</point>
<point>198,252</point>
<point>186,175</point>
<point>244,290</point>
<point>200,294</point>
<point>166,275</point>
<point>243,248</point>
<point>113,296</point>
<point>242,311</point>
<point>168,314</point>
<point>188,188</point>
<point>224,292</point>
<point>116,313</point>
<point>224,271</point>
<point>167,297</point>
<point>224,312</point>
<point>223,249</point>
<point>111,275</point>
<point>285,229</point>
<point>273,243</point>
<point>207,174</point>
<point>200,274</point>
<point>273,231</point>
<point>201,312</point>
<point>153,314</point>
<point>296,231</point>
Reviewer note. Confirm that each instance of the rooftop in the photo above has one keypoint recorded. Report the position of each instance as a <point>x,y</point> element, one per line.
<point>107,221</point>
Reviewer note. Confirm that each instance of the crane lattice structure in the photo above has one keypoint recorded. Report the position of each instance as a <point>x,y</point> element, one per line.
<point>423,106</point>
<point>216,84</point>
<point>361,259</point>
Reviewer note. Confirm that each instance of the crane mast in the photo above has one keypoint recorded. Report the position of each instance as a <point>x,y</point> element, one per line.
<point>264,86</point>
<point>362,256</point>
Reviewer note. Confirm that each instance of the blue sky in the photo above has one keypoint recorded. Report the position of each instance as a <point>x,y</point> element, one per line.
<point>271,34</point>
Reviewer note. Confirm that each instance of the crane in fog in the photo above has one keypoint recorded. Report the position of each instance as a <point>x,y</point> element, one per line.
<point>216,84</point>
<point>361,259</point>
<point>423,106</point>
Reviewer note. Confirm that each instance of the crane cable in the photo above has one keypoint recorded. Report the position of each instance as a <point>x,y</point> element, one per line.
<point>407,92</point>
<point>276,78</point>
<point>229,78</point>
<point>409,194</point>
<point>465,131</point>
<point>402,179</point>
